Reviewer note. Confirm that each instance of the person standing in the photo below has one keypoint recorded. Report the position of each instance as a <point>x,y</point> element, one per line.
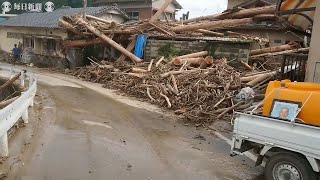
<point>16,54</point>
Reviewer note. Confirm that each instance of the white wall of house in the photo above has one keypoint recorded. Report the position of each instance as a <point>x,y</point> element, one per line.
<point>157,4</point>
<point>7,41</point>
<point>113,15</point>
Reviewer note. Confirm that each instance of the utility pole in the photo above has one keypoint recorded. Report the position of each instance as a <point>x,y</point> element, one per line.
<point>84,8</point>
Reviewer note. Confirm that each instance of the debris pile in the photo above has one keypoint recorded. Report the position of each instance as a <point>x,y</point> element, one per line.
<point>196,86</point>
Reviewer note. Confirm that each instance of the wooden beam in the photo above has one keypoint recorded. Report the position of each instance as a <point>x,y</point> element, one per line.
<point>161,29</point>
<point>212,24</point>
<point>130,48</point>
<point>156,16</point>
<point>238,14</point>
<point>281,53</point>
<point>109,41</point>
<point>204,31</point>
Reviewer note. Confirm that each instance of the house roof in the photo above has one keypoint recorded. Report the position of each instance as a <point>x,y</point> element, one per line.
<point>50,19</point>
<point>249,3</point>
<point>97,2</point>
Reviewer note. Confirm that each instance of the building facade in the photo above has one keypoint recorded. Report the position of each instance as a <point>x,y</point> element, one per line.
<point>142,9</point>
<point>39,35</point>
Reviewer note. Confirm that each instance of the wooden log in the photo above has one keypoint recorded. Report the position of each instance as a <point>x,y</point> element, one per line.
<point>9,82</point>
<point>150,65</point>
<point>149,94</point>
<point>157,15</point>
<point>161,29</point>
<point>250,78</point>
<point>174,82</point>
<point>138,75</point>
<point>281,53</point>
<point>207,32</point>
<point>164,89</point>
<point>5,103</point>
<point>138,70</point>
<point>207,62</point>
<point>69,27</point>
<point>261,78</point>
<point>171,89</point>
<point>167,99</point>
<point>193,61</point>
<point>159,61</point>
<point>242,13</point>
<point>246,65</point>
<point>249,12</point>
<point>193,55</point>
<point>109,41</point>
<point>212,25</point>
<point>130,48</point>
<point>229,109</point>
<point>292,45</point>
<point>81,42</point>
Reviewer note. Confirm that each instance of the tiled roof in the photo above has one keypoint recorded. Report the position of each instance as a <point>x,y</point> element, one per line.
<point>50,19</point>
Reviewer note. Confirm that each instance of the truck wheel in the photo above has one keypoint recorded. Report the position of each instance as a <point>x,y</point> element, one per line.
<point>288,166</point>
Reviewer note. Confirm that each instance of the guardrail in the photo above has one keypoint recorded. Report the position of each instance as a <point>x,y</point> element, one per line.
<point>10,115</point>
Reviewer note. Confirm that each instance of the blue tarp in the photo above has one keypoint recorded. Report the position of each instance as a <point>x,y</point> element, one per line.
<point>141,43</point>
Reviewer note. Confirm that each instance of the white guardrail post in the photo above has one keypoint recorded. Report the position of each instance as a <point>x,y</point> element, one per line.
<point>11,114</point>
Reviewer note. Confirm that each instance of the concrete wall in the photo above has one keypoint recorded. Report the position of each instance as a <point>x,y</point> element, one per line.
<point>239,51</point>
<point>313,64</point>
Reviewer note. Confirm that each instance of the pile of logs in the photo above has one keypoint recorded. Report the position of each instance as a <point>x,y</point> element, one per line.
<point>198,93</point>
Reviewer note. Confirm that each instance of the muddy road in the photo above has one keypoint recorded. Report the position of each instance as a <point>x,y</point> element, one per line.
<point>80,131</point>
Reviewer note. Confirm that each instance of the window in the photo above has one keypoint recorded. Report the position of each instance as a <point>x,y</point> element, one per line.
<point>29,42</point>
<point>277,41</point>
<point>133,14</point>
<point>51,45</point>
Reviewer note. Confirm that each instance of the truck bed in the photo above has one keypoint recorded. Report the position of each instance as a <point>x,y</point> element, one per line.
<point>296,137</point>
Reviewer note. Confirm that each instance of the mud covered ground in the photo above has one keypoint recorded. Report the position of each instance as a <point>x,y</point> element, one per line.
<point>79,130</point>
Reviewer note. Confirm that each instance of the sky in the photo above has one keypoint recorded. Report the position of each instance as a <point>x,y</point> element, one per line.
<point>201,7</point>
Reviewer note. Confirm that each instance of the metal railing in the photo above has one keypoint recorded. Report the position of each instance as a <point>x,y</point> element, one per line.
<point>11,114</point>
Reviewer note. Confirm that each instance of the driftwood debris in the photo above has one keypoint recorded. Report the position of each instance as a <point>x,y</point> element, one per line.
<point>9,82</point>
<point>109,41</point>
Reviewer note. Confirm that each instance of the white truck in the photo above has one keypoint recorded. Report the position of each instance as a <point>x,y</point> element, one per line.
<point>291,150</point>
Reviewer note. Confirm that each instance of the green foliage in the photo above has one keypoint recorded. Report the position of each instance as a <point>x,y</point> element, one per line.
<point>168,50</point>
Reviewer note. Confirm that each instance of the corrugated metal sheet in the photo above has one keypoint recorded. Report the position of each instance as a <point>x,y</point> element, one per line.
<point>296,19</point>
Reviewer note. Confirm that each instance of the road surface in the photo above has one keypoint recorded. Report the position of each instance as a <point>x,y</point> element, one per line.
<point>80,131</point>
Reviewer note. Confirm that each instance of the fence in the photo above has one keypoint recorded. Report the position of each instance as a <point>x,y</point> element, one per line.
<point>10,115</point>
<point>294,67</point>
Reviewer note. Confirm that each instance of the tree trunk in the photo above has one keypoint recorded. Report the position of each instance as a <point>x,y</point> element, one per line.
<point>281,52</point>
<point>212,25</point>
<point>275,49</point>
<point>9,82</point>
<point>69,27</point>
<point>193,55</point>
<point>130,48</point>
<point>207,32</point>
<point>110,41</point>
<point>239,14</point>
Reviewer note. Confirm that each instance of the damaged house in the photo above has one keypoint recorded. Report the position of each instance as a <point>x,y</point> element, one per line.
<point>265,26</point>
<point>143,9</point>
<point>40,37</point>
